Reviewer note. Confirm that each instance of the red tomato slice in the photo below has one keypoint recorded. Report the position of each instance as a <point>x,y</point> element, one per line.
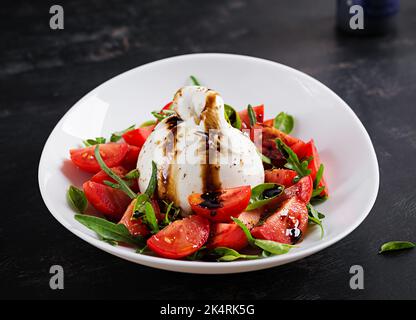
<point>181,238</point>
<point>311,151</point>
<point>259,111</point>
<point>280,176</point>
<point>136,227</point>
<point>130,160</point>
<point>221,206</point>
<point>286,225</point>
<point>302,190</point>
<point>112,154</point>
<point>230,235</point>
<point>137,137</point>
<point>110,202</point>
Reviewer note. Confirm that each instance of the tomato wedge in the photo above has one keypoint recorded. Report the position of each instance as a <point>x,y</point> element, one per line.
<point>280,176</point>
<point>230,235</point>
<point>136,227</point>
<point>259,111</point>
<point>286,225</point>
<point>222,205</point>
<point>181,238</point>
<point>130,160</point>
<point>311,151</point>
<point>137,137</point>
<point>302,190</point>
<point>110,202</point>
<point>112,154</point>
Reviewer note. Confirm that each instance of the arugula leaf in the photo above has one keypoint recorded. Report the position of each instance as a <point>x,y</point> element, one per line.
<point>109,230</point>
<point>93,142</point>
<point>170,207</point>
<point>272,247</point>
<point>148,123</point>
<point>251,115</point>
<point>232,116</point>
<point>150,217</point>
<point>162,114</point>
<point>132,175</point>
<point>265,159</point>
<point>109,241</point>
<point>118,135</point>
<point>198,254</point>
<point>141,250</point>
<point>123,185</point>
<point>292,159</point>
<point>150,190</point>
<point>284,122</point>
<point>319,175</point>
<point>111,184</point>
<point>139,205</point>
<point>317,192</point>
<point>228,254</point>
<point>315,217</point>
<point>263,194</point>
<point>195,82</point>
<point>396,245</point>
<point>245,230</point>
<point>77,199</point>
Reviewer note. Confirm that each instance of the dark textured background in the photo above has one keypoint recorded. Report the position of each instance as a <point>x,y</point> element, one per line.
<point>44,72</point>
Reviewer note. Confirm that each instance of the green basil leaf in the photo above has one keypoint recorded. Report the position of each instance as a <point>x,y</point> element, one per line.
<point>77,199</point>
<point>273,247</point>
<point>123,185</point>
<point>396,245</point>
<point>232,116</point>
<point>108,230</point>
<point>148,123</point>
<point>245,230</point>
<point>150,216</point>
<point>132,175</point>
<point>284,122</point>
<point>93,142</point>
<point>195,82</point>
<point>116,136</point>
<point>251,115</point>
<point>151,188</point>
<point>292,159</point>
<point>263,194</point>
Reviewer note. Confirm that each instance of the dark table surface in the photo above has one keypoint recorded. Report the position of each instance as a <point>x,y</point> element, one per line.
<point>44,72</point>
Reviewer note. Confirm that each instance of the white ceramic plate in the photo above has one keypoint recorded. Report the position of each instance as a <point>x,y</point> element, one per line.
<point>350,162</point>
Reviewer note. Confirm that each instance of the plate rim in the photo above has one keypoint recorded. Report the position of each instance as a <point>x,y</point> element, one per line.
<point>214,267</point>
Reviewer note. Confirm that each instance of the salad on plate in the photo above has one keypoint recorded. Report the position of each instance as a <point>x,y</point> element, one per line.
<point>201,181</point>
